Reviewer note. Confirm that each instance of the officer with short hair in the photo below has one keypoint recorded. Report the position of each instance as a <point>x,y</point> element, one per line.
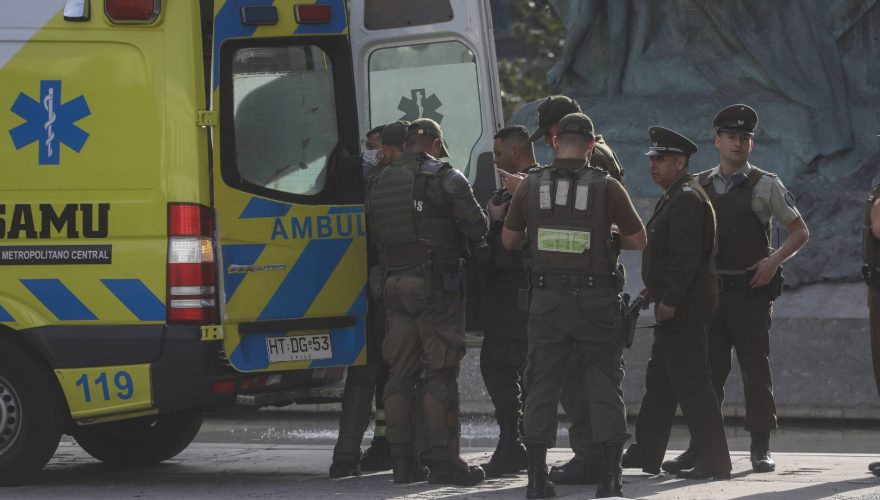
<point>746,201</point>
<point>568,209</point>
<point>871,272</point>
<point>679,275</point>
<point>423,215</point>
<point>505,345</point>
<point>585,467</point>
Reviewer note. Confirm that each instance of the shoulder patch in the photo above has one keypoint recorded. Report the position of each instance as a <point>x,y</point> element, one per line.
<point>789,200</point>
<point>686,188</point>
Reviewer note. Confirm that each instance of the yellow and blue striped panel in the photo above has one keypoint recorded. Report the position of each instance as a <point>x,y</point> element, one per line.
<point>326,278</point>
<point>87,302</point>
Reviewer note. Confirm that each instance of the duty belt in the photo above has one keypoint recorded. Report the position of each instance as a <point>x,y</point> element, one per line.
<point>563,280</point>
<point>502,276</point>
<point>734,282</point>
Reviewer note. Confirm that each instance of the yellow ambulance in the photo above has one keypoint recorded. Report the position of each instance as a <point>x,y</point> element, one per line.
<point>180,227</point>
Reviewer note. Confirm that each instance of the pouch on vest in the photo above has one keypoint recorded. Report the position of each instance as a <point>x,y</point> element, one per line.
<point>450,277</point>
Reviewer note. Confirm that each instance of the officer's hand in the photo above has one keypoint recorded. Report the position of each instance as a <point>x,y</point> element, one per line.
<point>646,298</point>
<point>511,181</point>
<point>663,312</point>
<point>764,271</point>
<point>497,212</point>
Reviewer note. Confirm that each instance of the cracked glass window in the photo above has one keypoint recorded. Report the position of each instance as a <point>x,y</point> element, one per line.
<point>285,117</point>
<point>431,80</point>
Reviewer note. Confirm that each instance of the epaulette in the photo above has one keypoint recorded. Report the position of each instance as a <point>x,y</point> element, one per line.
<point>433,166</point>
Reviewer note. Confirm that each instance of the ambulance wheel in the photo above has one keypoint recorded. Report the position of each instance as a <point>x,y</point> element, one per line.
<point>139,441</point>
<point>32,414</point>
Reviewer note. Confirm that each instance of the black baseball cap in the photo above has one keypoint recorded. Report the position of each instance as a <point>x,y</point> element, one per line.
<point>550,111</point>
<point>575,123</point>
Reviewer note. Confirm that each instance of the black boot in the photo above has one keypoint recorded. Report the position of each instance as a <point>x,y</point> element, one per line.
<point>408,470</point>
<point>633,459</point>
<point>510,455</point>
<point>686,460</point>
<point>874,467</point>
<point>576,471</point>
<point>455,472</point>
<point>760,451</point>
<point>377,457</point>
<point>611,484</point>
<point>539,484</point>
<point>344,468</point>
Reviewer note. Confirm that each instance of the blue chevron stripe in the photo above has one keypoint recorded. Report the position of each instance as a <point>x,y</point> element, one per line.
<point>227,24</point>
<point>305,280</point>
<point>5,316</point>
<point>58,299</point>
<point>135,295</point>
<point>258,208</point>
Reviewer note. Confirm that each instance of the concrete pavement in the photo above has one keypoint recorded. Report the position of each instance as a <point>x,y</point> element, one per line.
<point>234,470</point>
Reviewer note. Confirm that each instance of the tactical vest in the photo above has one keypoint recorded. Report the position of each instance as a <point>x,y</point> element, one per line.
<point>567,221</point>
<point>407,228</point>
<point>742,238</point>
<point>870,245</point>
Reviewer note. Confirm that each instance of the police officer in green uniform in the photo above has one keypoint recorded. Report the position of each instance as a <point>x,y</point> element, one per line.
<point>871,272</point>
<point>746,200</point>
<point>423,215</point>
<point>568,209</point>
<point>505,345</point>
<point>679,275</point>
<point>586,465</point>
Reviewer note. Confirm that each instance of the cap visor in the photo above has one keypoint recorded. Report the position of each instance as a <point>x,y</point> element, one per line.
<point>443,152</point>
<point>661,153</point>
<point>537,134</point>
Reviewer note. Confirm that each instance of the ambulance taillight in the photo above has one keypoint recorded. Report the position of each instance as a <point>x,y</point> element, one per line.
<point>132,11</point>
<point>192,268</point>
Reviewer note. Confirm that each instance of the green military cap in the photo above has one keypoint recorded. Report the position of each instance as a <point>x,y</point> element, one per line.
<point>394,134</point>
<point>550,111</point>
<point>669,142</point>
<point>575,123</point>
<point>737,118</point>
<point>427,126</point>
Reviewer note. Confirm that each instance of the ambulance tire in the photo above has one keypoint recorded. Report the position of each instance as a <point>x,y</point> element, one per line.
<point>33,414</point>
<point>139,441</point>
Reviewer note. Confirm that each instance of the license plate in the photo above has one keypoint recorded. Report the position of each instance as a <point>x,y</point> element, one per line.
<point>299,348</point>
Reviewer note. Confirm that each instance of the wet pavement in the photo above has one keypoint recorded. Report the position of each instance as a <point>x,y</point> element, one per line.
<point>284,454</point>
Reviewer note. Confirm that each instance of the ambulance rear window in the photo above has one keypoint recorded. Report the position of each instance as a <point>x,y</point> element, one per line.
<point>285,122</point>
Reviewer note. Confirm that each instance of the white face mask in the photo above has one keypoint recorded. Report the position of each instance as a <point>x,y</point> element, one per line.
<point>371,156</point>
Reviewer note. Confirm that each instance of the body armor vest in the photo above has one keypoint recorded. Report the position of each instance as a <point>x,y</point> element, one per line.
<point>569,231</point>
<point>870,245</point>
<point>743,239</point>
<point>408,229</point>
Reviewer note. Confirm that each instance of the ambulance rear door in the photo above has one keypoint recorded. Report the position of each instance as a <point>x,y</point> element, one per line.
<point>292,259</point>
<point>431,59</point>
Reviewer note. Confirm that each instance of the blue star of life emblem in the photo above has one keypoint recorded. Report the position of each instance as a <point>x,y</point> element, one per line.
<point>50,122</point>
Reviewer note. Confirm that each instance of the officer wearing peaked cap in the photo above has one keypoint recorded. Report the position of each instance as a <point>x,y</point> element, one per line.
<point>746,200</point>
<point>568,209</point>
<point>679,276</point>
<point>422,213</point>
